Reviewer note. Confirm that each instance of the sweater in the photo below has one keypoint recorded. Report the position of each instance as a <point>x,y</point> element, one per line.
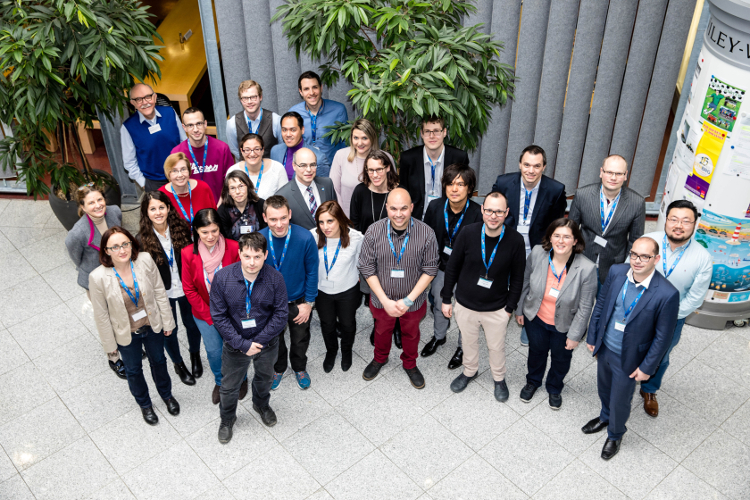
<point>300,264</point>
<point>201,197</point>
<point>435,218</point>
<point>344,273</point>
<point>361,207</point>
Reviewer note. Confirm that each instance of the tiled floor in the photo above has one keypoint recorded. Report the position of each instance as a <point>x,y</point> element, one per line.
<point>70,429</point>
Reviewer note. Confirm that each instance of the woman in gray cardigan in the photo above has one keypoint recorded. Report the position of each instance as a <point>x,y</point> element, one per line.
<point>559,289</point>
<point>83,242</point>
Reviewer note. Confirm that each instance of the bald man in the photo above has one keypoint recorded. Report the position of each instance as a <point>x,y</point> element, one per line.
<point>399,260</point>
<point>148,137</point>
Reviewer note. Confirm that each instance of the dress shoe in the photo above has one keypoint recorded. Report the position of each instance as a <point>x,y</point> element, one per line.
<point>415,377</point>
<point>431,347</point>
<point>225,431</point>
<point>196,365</point>
<point>149,415</point>
<point>243,389</point>
<point>185,376</point>
<point>267,415</point>
<point>527,393</point>
<point>329,361</point>
<point>119,368</point>
<point>372,370</point>
<point>555,401</point>
<point>216,396</point>
<point>173,407</point>
<point>501,391</point>
<point>346,359</point>
<point>460,382</point>
<point>650,404</point>
<point>611,447</point>
<point>457,359</point>
<point>372,336</point>
<point>397,334</point>
<point>594,425</point>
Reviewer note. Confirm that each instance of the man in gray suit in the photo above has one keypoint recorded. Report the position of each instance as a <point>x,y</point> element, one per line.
<point>306,192</point>
<point>611,216</point>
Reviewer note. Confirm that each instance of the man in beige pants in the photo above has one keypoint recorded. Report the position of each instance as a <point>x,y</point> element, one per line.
<point>486,266</point>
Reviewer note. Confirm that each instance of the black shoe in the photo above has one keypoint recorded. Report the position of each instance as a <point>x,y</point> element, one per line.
<point>415,377</point>
<point>527,393</point>
<point>372,336</point>
<point>225,431</point>
<point>216,395</point>
<point>173,407</point>
<point>611,447</point>
<point>149,415</point>
<point>501,391</point>
<point>119,368</point>
<point>329,361</point>
<point>243,389</point>
<point>372,370</point>
<point>457,359</point>
<point>397,334</point>
<point>267,415</point>
<point>594,425</point>
<point>185,376</point>
<point>460,382</point>
<point>196,365</point>
<point>555,401</point>
<point>431,347</point>
<point>346,360</point>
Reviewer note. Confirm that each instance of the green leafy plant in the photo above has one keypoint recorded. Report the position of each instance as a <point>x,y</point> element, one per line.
<point>60,62</point>
<point>405,59</point>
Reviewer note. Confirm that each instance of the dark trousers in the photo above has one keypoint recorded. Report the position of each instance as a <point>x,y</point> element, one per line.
<point>153,185</point>
<point>171,344</point>
<point>615,392</point>
<point>544,339</point>
<point>409,334</point>
<point>133,361</point>
<point>299,340</point>
<point>341,307</point>
<point>234,365</point>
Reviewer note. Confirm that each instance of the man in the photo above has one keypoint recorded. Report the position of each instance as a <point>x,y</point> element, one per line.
<point>422,167</point>
<point>447,216</point>
<point>249,309</point>
<point>148,137</point>
<point>399,260</point>
<point>295,255</point>
<point>253,119</point>
<point>689,268</point>
<point>629,332</point>
<point>486,268</point>
<point>611,215</point>
<point>292,131</point>
<point>210,158</point>
<point>318,114</point>
<point>306,192</point>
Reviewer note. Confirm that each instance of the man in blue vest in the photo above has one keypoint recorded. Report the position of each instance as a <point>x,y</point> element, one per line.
<point>148,137</point>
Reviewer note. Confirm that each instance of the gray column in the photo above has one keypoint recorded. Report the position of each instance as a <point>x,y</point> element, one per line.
<point>234,55</point>
<point>286,67</point>
<point>260,49</point>
<point>214,66</point>
<point>111,134</point>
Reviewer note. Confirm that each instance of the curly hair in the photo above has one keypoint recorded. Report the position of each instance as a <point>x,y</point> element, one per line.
<point>179,230</point>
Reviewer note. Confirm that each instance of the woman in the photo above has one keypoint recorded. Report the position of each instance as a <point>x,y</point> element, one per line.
<point>163,234</point>
<point>186,195</point>
<point>209,253</point>
<point>348,163</point>
<point>84,239</point>
<point>267,175</point>
<point>559,289</point>
<point>131,311</point>
<point>241,210</point>
<point>338,281</point>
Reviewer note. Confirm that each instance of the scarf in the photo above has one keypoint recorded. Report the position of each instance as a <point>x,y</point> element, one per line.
<point>211,261</point>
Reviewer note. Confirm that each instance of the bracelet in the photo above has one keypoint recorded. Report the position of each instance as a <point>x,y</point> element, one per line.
<point>408,302</point>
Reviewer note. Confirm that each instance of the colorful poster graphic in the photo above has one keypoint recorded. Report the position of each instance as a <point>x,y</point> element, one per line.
<point>727,239</point>
<point>722,104</point>
<point>706,156</point>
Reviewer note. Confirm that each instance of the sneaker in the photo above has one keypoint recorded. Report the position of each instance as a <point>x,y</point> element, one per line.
<point>555,401</point>
<point>460,382</point>
<point>527,393</point>
<point>303,379</point>
<point>276,380</point>
<point>501,391</point>
<point>524,338</point>
<point>225,431</point>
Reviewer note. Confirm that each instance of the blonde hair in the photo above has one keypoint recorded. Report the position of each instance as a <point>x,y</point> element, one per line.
<point>247,85</point>
<point>171,162</point>
<point>366,126</point>
<point>83,191</point>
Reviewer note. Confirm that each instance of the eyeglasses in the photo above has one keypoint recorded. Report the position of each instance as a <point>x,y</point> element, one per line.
<point>191,126</point>
<point>617,175</point>
<point>641,258</point>
<point>496,213</point>
<point>124,246</point>
<point>182,170</point>
<point>139,100</point>
<point>250,98</point>
<point>378,171</point>
<point>237,189</point>
<point>433,132</point>
<point>306,166</point>
<point>247,151</point>
<point>563,237</point>
<point>678,222</point>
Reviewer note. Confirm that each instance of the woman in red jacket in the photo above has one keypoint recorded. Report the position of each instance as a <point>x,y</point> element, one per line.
<point>188,196</point>
<point>209,253</point>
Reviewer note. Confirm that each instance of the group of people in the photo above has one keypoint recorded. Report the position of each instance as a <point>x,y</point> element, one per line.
<point>248,249</point>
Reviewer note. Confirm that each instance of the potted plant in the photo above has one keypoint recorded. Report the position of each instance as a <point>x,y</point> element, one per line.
<point>60,63</point>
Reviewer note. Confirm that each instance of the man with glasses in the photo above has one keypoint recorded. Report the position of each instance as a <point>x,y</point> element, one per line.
<point>253,119</point>
<point>306,192</point>
<point>688,266</point>
<point>210,158</point>
<point>293,134</point>
<point>148,137</point>
<point>630,331</point>
<point>422,167</point>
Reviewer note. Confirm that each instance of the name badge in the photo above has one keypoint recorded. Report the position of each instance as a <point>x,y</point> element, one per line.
<point>154,129</point>
<point>398,273</point>
<point>430,198</point>
<point>554,292</point>
<point>523,229</point>
<point>139,315</point>
<point>248,323</point>
<point>326,284</point>
<point>600,241</point>
<point>484,282</point>
<point>246,229</point>
<point>447,250</point>
<point>620,327</point>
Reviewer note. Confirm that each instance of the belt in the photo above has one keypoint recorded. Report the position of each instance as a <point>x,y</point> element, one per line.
<point>142,330</point>
<point>297,301</point>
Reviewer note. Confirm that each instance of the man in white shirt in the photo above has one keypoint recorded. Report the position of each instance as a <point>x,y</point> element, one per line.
<point>253,119</point>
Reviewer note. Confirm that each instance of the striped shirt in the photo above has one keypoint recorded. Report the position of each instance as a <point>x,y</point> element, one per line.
<point>420,257</point>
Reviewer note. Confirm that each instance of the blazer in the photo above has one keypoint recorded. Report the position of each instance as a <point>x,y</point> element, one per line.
<point>110,314</point>
<point>411,173</point>
<point>550,203</point>
<point>81,251</point>
<point>300,213</point>
<point>164,271</point>
<point>278,153</point>
<point>627,225</point>
<point>226,220</point>
<point>649,329</point>
<point>576,300</point>
<point>194,283</point>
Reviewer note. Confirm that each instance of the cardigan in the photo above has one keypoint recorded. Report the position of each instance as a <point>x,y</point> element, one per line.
<point>201,197</point>
<point>194,282</point>
<point>81,250</point>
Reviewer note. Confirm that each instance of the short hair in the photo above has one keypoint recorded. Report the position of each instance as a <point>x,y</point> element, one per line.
<point>615,156</point>
<point>85,190</point>
<point>253,241</point>
<point>366,126</point>
<point>227,199</point>
<point>466,173</point>
<point>433,119</point>
<point>294,156</point>
<point>683,204</point>
<point>570,224</point>
<point>293,114</point>
<point>248,137</point>
<point>385,160</point>
<point>130,92</point>
<point>332,207</point>
<point>191,110</point>
<point>104,258</point>
<point>306,75</point>
<point>205,217</point>
<point>171,162</point>
<point>497,194</point>
<point>276,201</point>
<point>653,241</point>
<point>534,150</point>
<point>247,85</point>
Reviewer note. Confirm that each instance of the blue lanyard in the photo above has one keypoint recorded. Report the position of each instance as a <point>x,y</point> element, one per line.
<point>677,260</point>
<point>635,302</point>
<point>190,197</point>
<point>432,168</point>
<point>200,169</point>
<point>605,222</point>
<point>526,204</point>
<point>283,254</point>
<point>325,257</point>
<point>458,224</point>
<point>552,268</point>
<point>487,265</point>
<point>207,280</point>
<point>250,124</point>
<point>248,305</point>
<point>403,246</point>
<point>170,258</point>
<point>260,174</point>
<point>135,285</point>
<point>314,120</point>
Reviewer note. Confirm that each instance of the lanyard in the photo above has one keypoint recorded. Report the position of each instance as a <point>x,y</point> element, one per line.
<point>403,246</point>
<point>190,197</point>
<point>526,204</point>
<point>487,265</point>
<point>170,258</point>
<point>135,285</point>
<point>248,305</point>
<point>458,224</point>
<point>605,222</point>
<point>325,257</point>
<point>677,260</point>
<point>552,267</point>
<point>283,254</point>
<point>260,174</point>
<point>91,234</point>
<point>433,167</point>
<point>635,302</point>
<point>314,120</point>
<point>205,154</point>
<point>250,124</point>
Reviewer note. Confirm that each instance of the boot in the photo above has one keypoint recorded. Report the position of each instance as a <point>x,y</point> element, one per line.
<point>185,376</point>
<point>195,361</point>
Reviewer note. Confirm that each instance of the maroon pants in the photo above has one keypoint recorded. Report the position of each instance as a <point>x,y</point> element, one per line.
<point>409,334</point>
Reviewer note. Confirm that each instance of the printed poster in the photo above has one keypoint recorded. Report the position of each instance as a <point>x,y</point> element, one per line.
<point>706,156</point>
<point>722,104</point>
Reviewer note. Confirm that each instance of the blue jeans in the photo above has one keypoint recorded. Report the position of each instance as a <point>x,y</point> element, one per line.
<point>214,344</point>
<point>235,365</point>
<point>132,359</point>
<point>654,383</point>
<point>171,344</point>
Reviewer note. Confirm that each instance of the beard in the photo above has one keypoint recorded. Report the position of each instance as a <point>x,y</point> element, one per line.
<point>679,239</point>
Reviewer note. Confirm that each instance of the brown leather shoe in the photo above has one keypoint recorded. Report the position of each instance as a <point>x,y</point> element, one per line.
<point>216,396</point>
<point>650,404</point>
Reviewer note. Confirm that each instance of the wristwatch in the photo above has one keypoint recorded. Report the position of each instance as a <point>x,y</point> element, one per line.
<point>408,302</point>
<point>311,304</point>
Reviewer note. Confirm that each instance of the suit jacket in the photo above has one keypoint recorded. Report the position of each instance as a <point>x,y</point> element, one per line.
<point>650,326</point>
<point>81,250</point>
<point>550,203</point>
<point>278,153</point>
<point>576,300</point>
<point>300,213</point>
<point>626,226</point>
<point>193,282</point>
<point>411,173</point>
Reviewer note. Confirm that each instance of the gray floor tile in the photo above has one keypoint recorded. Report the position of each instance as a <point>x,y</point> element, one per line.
<point>196,409</point>
<point>116,490</point>
<point>14,269</point>
<point>585,384</point>
<point>694,340</point>
<point>335,387</point>
<point>48,253</point>
<point>11,354</point>
<point>21,237</point>
<point>219,492</point>
<point>581,360</point>
<point>738,425</point>
<point>682,484</point>
<point>15,488</point>
<point>16,394</point>
<point>4,202</point>
<point>64,281</point>
<point>723,462</point>
<point>7,469</point>
<point>321,494</point>
<point>373,477</point>
<point>679,358</point>
<point>45,333</point>
<point>26,213</point>
<point>5,244</point>
<point>578,482</point>
<point>99,400</point>
<point>728,355</point>
<point>73,363</point>
<point>23,301</point>
<point>82,308</point>
<point>475,479</point>
<point>515,378</point>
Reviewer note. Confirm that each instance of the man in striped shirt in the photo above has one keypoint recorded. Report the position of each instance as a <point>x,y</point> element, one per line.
<point>399,260</point>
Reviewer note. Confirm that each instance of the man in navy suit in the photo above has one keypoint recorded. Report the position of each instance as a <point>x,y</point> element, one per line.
<point>630,330</point>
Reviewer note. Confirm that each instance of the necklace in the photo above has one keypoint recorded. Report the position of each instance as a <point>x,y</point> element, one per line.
<point>372,206</point>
